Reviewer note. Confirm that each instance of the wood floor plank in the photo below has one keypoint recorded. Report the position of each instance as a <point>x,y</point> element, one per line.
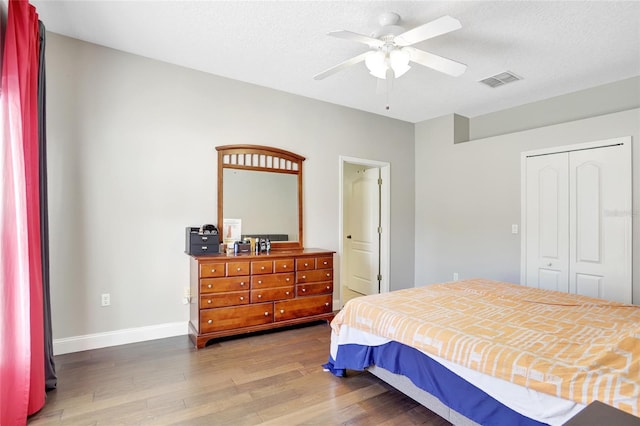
<point>266,378</point>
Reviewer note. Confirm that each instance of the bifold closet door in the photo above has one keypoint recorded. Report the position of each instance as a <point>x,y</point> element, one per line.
<point>600,232</point>
<point>578,222</point>
<point>547,226</point>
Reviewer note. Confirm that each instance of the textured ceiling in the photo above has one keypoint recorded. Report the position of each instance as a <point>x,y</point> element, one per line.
<point>557,47</point>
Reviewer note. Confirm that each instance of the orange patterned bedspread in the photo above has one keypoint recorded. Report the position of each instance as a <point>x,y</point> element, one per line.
<point>571,346</point>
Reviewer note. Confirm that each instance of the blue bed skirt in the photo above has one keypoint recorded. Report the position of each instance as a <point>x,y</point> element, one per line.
<point>429,375</point>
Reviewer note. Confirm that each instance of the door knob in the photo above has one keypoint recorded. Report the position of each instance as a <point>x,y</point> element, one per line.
<point>348,237</point>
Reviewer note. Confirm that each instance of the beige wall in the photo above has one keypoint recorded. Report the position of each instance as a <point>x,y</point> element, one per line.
<point>468,195</point>
<point>132,162</point>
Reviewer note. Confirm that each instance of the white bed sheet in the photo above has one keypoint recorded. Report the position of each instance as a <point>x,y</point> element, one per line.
<point>533,404</point>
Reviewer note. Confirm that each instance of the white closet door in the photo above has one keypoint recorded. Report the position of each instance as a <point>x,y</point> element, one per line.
<point>600,233</point>
<point>547,224</point>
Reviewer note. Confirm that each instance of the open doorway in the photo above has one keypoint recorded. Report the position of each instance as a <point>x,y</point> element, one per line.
<point>364,227</point>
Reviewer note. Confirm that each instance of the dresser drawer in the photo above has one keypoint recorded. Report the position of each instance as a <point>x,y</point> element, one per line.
<point>305,264</point>
<point>210,269</point>
<point>270,294</point>
<point>304,306</point>
<point>273,280</point>
<point>283,265</point>
<point>235,269</point>
<point>315,288</point>
<point>314,276</point>
<point>217,285</point>
<point>324,262</point>
<point>235,317</point>
<point>261,267</point>
<point>218,300</point>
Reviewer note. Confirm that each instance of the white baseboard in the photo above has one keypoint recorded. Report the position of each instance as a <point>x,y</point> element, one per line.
<point>118,337</point>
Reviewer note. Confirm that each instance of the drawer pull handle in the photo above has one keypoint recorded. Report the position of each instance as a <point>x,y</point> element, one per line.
<point>328,274</point>
<point>306,264</point>
<point>325,262</point>
<point>304,289</point>
<point>209,286</point>
<point>326,304</point>
<point>287,280</point>
<point>282,311</point>
<point>210,322</point>
<point>259,296</point>
<point>242,283</point>
<point>266,314</point>
<point>304,277</point>
<point>241,297</point>
<point>209,301</point>
<point>328,287</point>
<point>259,281</point>
<point>262,268</point>
<point>205,238</point>
<point>287,293</point>
<point>213,270</point>
<point>285,266</point>
<point>239,268</point>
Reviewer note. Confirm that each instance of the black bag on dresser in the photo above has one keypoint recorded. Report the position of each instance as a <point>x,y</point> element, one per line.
<point>202,241</point>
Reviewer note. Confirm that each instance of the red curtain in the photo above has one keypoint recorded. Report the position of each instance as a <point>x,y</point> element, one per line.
<point>22,388</point>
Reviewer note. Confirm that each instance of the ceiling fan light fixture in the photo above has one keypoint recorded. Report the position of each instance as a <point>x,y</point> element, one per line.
<point>399,60</point>
<point>378,63</point>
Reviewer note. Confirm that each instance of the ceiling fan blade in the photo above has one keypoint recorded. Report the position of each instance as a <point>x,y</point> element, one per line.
<point>429,30</point>
<point>341,66</point>
<point>436,62</point>
<point>348,35</point>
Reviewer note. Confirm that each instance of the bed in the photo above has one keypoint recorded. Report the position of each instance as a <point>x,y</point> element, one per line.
<point>486,352</point>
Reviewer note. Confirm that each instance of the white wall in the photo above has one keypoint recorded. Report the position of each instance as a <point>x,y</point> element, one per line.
<point>468,195</point>
<point>132,162</point>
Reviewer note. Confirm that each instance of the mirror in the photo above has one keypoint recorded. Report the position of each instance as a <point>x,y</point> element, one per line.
<point>260,194</point>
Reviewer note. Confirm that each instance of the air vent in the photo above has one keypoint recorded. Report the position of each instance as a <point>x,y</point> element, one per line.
<point>500,79</point>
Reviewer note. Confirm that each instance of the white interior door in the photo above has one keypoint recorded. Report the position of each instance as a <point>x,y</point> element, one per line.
<point>364,222</point>
<point>600,247</point>
<point>577,207</point>
<point>547,224</point>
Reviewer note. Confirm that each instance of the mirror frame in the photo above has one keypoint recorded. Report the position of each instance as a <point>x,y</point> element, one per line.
<point>264,159</point>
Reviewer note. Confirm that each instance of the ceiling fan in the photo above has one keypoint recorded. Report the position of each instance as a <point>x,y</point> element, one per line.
<point>391,49</point>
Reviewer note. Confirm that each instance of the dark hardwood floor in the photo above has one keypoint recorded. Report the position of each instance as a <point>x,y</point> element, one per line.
<point>273,378</point>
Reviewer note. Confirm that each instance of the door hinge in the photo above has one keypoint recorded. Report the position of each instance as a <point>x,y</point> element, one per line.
<point>379,229</point>
<point>379,277</point>
<point>379,181</point>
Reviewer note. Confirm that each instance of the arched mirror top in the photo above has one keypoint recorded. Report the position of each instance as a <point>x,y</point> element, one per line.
<point>260,195</point>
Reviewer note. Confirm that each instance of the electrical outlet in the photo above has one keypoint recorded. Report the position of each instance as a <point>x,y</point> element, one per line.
<point>105,299</point>
<point>514,229</point>
<point>456,277</point>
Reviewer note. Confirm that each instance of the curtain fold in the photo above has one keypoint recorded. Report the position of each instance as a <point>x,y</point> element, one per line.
<point>22,388</point>
<point>49,365</point>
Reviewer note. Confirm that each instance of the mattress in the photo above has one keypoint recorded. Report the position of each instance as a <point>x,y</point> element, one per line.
<point>571,348</point>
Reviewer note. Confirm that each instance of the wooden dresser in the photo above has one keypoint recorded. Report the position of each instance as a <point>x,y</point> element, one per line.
<point>234,294</point>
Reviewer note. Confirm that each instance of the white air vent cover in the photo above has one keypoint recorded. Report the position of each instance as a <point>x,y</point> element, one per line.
<point>500,79</point>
